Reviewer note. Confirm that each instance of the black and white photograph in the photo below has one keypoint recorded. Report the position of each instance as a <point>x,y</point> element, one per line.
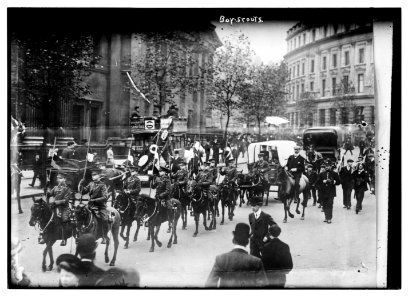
<point>210,148</point>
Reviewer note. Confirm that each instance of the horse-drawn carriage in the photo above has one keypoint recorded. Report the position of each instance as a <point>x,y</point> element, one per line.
<point>258,183</point>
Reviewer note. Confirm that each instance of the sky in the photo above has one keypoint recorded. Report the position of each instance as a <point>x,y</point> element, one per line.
<point>267,39</point>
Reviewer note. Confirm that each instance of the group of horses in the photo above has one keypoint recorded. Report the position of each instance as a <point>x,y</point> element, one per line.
<point>149,212</point>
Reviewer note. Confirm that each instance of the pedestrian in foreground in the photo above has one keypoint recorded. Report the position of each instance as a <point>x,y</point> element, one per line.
<point>347,183</point>
<point>237,269</point>
<point>360,186</point>
<point>119,278</point>
<point>327,182</point>
<point>276,259</point>
<point>86,249</point>
<point>260,222</point>
<point>69,269</point>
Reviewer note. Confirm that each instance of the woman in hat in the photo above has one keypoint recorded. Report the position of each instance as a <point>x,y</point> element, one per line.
<point>360,185</point>
<point>70,271</point>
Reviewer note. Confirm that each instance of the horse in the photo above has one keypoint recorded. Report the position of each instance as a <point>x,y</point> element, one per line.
<point>244,182</point>
<point>261,186</point>
<point>287,192</point>
<point>314,160</point>
<point>181,195</point>
<point>43,215</point>
<point>88,223</point>
<point>228,199</point>
<point>153,214</point>
<point>126,208</point>
<point>201,204</point>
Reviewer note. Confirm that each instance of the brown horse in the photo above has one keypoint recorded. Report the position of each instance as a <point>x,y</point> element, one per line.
<point>88,223</point>
<point>287,192</point>
<point>43,215</point>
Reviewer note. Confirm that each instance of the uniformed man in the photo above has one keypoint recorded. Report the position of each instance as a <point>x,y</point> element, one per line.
<point>265,153</point>
<point>132,184</point>
<point>312,176</point>
<point>62,194</point>
<point>68,152</point>
<point>327,182</point>
<point>163,187</point>
<point>98,194</point>
<point>213,170</point>
<point>175,164</point>
<point>296,165</point>
<point>204,178</point>
<point>262,166</point>
<point>231,175</point>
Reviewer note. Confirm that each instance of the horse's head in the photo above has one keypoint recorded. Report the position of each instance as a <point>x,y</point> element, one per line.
<point>191,186</point>
<point>81,212</point>
<point>250,167</point>
<point>122,202</point>
<point>39,210</point>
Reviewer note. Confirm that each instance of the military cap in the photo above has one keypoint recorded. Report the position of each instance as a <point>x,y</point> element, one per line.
<point>371,155</point>
<point>360,156</point>
<point>70,143</point>
<point>211,160</point>
<point>182,163</point>
<point>350,160</point>
<point>260,154</point>
<point>207,163</point>
<point>96,171</point>
<point>176,152</point>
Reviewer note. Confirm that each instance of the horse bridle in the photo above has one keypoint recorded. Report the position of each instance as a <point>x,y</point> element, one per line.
<point>37,220</point>
<point>128,203</point>
<point>90,220</point>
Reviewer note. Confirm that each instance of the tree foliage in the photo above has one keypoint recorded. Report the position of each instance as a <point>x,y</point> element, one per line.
<point>344,100</point>
<point>306,106</point>
<point>263,94</point>
<point>167,67</point>
<point>229,74</point>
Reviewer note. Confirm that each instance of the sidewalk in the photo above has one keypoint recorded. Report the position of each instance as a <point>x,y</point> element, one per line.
<point>27,191</point>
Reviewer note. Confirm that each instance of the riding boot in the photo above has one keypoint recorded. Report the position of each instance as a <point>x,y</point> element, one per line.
<point>41,239</point>
<point>64,241</point>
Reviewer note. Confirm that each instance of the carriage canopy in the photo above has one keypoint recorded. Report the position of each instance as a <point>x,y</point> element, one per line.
<point>283,149</point>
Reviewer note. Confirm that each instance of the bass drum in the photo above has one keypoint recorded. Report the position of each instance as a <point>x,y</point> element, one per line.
<point>143,161</point>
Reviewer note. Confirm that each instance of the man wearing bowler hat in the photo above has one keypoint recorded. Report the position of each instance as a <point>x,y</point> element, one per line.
<point>68,152</point>
<point>347,182</point>
<point>276,258</point>
<point>260,222</point>
<point>237,269</point>
<point>327,182</point>
<point>296,166</point>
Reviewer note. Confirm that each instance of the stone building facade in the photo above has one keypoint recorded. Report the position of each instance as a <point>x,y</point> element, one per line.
<point>319,58</point>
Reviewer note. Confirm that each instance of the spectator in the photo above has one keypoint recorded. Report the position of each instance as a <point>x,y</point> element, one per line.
<point>348,146</point>
<point>362,145</point>
<point>237,268</point>
<point>360,186</point>
<point>69,269</point>
<point>327,182</point>
<point>207,148</point>
<point>68,152</point>
<point>260,222</point>
<point>276,259</point>
<point>216,151</point>
<point>370,166</point>
<point>119,278</point>
<point>86,248</point>
<point>82,150</point>
<point>37,169</point>
<point>18,277</point>
<point>312,176</point>
<point>227,154</point>
<point>135,114</point>
<point>109,155</point>
<point>347,183</point>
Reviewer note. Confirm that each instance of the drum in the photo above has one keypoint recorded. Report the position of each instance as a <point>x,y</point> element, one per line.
<point>142,161</point>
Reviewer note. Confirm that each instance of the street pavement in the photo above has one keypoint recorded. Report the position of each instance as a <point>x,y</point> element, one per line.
<point>341,254</point>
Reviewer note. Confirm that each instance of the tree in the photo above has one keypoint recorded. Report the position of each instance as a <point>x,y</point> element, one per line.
<point>166,68</point>
<point>263,95</point>
<point>229,74</point>
<point>53,69</point>
<point>306,106</point>
<point>344,101</point>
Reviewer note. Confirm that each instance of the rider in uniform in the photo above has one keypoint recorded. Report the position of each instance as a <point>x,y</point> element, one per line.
<point>163,187</point>
<point>204,178</point>
<point>133,185</point>
<point>181,176</point>
<point>62,194</point>
<point>231,176</point>
<point>296,165</point>
<point>98,194</point>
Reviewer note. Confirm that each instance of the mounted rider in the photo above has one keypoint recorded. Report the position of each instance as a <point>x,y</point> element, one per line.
<point>261,166</point>
<point>204,179</point>
<point>98,193</point>
<point>62,195</point>
<point>163,189</point>
<point>132,184</point>
<point>315,158</point>
<point>181,177</point>
<point>213,170</point>
<point>231,175</point>
<point>296,166</point>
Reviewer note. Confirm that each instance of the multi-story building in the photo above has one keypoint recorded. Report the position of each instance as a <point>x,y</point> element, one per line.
<point>320,59</point>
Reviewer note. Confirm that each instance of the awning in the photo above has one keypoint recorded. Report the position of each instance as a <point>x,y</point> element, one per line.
<point>276,120</point>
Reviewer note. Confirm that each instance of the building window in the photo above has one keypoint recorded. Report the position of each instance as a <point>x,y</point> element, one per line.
<point>332,117</point>
<point>334,60</point>
<point>312,66</point>
<point>297,67</point>
<point>299,41</point>
<point>294,72</point>
<point>296,118</point>
<point>311,86</point>
<point>323,87</point>
<point>313,35</point>
<point>325,31</point>
<point>303,68</point>
<point>302,88</point>
<point>297,92</point>
<point>345,83</point>
<point>346,58</point>
<point>322,117</point>
<point>334,86</point>
<point>294,42</point>
<point>344,115</point>
<point>361,55</point>
<point>293,92</point>
<point>360,79</point>
<point>324,62</point>
<point>304,39</point>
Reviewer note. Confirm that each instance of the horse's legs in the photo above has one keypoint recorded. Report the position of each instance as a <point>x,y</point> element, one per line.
<point>107,239</point>
<point>288,203</point>
<point>304,204</point>
<point>267,195</point>
<point>151,234</point>
<point>50,253</point>
<point>122,229</point>
<point>177,217</point>
<point>285,220</point>
<point>172,233</point>
<point>205,220</point>
<point>196,220</point>
<point>156,234</point>
<point>115,236</point>
<point>223,212</point>
<point>297,204</point>
<point>137,231</point>
<point>129,225</point>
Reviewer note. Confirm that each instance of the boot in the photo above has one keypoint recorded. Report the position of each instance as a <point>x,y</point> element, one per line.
<point>41,239</point>
<point>64,241</point>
